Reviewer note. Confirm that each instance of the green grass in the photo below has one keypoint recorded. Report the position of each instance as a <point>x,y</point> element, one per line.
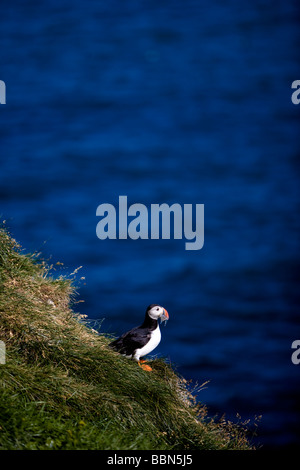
<point>63,388</point>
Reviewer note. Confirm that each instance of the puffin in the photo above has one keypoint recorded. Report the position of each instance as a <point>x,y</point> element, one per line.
<point>142,339</point>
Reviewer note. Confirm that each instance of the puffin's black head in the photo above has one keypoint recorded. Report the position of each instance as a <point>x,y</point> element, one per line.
<point>155,312</point>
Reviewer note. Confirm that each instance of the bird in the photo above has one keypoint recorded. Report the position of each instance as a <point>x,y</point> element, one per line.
<point>142,339</point>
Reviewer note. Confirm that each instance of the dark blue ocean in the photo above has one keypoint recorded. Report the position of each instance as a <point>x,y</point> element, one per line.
<point>167,102</point>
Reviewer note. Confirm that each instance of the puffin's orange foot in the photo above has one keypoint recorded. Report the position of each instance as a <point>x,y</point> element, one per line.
<point>144,366</point>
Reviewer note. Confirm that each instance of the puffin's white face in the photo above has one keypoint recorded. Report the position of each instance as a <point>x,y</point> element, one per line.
<point>158,312</point>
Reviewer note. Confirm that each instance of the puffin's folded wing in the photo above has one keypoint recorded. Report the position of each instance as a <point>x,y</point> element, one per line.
<point>129,342</point>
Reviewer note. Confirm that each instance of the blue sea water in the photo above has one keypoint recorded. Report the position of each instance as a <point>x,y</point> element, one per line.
<point>167,102</point>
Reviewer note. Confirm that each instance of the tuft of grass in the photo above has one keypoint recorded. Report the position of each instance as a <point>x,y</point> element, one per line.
<point>62,387</point>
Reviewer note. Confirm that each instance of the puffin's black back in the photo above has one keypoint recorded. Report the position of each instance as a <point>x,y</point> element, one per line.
<point>137,337</point>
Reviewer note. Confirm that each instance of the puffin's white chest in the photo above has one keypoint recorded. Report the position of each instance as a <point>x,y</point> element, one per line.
<point>152,343</point>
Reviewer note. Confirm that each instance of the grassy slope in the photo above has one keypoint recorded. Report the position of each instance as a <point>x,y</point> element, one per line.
<point>63,388</point>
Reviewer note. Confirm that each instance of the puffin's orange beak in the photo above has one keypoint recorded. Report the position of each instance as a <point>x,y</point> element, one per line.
<point>164,317</point>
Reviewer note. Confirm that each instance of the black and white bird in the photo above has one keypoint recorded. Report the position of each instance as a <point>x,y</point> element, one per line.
<point>141,340</point>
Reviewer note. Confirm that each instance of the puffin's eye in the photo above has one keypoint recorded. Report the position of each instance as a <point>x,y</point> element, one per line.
<point>157,308</point>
